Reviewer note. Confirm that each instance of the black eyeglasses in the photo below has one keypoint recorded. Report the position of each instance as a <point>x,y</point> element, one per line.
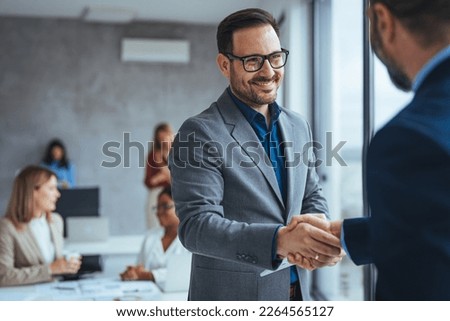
<point>254,63</point>
<point>163,207</point>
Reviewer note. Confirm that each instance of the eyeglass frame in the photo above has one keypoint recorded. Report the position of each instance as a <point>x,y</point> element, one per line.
<point>164,207</point>
<point>230,56</point>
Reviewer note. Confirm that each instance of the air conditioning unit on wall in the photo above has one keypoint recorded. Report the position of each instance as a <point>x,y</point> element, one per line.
<point>155,50</point>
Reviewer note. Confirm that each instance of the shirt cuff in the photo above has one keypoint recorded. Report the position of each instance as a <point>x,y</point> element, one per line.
<point>344,246</point>
<point>276,261</point>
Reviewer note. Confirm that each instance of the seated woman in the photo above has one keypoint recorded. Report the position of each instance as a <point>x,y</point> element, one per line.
<point>31,236</point>
<point>159,245</point>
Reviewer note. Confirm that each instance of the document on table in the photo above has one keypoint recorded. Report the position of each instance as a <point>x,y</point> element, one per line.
<point>98,289</point>
<point>114,289</point>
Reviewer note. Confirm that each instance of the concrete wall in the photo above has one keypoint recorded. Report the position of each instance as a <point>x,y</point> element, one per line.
<point>64,78</point>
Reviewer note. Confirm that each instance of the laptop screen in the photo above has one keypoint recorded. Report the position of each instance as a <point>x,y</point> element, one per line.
<point>78,202</point>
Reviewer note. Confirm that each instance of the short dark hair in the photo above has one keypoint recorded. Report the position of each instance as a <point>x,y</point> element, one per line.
<point>428,19</point>
<point>242,19</point>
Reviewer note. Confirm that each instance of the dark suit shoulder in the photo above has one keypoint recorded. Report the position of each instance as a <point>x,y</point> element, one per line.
<point>432,124</point>
<point>428,114</point>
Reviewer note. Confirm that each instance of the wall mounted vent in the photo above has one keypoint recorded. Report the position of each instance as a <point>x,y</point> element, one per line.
<point>155,50</point>
<point>108,14</point>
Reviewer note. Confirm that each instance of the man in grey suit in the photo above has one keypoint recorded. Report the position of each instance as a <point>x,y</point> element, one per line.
<point>242,173</point>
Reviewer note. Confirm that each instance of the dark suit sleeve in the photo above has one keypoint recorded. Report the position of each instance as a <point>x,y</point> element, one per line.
<point>357,240</point>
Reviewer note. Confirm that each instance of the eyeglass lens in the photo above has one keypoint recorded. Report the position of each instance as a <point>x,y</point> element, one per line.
<point>254,63</point>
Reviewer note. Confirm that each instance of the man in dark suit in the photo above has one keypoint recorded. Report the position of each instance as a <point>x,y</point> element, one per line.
<point>408,170</point>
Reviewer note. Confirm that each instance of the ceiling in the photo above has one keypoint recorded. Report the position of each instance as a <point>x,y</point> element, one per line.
<point>121,11</point>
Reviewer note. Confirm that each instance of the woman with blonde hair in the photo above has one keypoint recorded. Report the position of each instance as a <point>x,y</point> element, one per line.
<point>31,235</point>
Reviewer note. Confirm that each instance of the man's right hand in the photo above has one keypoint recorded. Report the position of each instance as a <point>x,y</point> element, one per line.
<point>307,241</point>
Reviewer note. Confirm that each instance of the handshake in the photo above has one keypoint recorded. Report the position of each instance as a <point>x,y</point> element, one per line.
<point>310,241</point>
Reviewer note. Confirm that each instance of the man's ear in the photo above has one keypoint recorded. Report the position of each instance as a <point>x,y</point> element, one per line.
<point>386,22</point>
<point>224,65</point>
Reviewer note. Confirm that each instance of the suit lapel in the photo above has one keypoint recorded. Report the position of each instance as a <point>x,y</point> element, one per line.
<point>244,135</point>
<point>287,136</point>
<point>31,248</point>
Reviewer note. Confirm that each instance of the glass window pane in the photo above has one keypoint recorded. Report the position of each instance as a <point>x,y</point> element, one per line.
<point>388,99</point>
<point>347,28</point>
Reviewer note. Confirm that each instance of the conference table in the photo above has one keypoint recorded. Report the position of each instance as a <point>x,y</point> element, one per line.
<point>117,252</point>
<point>90,289</point>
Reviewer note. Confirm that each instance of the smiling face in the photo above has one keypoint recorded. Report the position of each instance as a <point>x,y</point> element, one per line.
<point>256,89</point>
<point>45,197</point>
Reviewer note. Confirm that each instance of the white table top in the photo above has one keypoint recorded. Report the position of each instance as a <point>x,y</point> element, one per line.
<point>96,289</point>
<point>115,245</point>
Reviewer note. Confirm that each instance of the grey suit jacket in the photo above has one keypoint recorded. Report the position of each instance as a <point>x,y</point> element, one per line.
<point>230,205</point>
<point>21,260</point>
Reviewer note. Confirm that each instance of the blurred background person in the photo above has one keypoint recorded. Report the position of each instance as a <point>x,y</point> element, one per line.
<point>159,245</point>
<point>31,236</point>
<point>157,175</point>
<point>56,160</point>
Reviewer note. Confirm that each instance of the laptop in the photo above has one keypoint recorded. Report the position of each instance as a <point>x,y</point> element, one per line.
<point>178,273</point>
<point>87,229</point>
<point>78,202</point>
